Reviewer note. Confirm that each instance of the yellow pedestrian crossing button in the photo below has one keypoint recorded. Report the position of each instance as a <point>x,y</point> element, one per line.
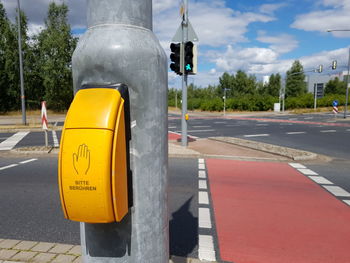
<point>93,162</point>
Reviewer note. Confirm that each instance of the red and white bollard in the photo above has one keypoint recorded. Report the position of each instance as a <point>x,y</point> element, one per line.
<point>44,121</point>
<point>335,111</point>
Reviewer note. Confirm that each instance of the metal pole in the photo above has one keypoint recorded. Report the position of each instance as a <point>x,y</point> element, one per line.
<point>347,88</point>
<point>284,93</point>
<point>24,120</point>
<point>184,79</point>
<point>110,52</point>
<point>224,102</point>
<point>315,96</point>
<point>176,98</point>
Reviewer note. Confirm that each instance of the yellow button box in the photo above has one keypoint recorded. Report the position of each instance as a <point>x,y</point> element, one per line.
<point>92,161</point>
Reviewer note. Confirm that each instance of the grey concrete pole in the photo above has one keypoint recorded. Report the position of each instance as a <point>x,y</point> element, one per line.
<point>184,79</point>
<point>347,88</point>
<point>23,104</point>
<point>120,47</point>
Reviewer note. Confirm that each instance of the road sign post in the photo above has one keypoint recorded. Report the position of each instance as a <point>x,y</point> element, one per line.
<point>335,108</point>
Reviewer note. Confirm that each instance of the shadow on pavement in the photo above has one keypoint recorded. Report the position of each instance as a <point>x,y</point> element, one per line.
<point>183,231</point>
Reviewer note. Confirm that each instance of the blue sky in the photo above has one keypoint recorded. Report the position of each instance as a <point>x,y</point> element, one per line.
<point>259,37</point>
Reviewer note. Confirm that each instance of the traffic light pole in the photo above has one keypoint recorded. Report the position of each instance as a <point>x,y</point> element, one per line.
<point>184,77</point>
<point>110,52</point>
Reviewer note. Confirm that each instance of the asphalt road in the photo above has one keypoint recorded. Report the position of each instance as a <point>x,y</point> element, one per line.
<point>31,210</point>
<point>315,133</point>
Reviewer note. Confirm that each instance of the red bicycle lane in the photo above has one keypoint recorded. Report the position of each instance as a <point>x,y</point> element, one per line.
<point>270,213</point>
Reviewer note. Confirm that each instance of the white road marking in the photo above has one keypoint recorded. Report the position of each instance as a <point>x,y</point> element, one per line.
<point>203,198</point>
<point>55,123</point>
<point>201,166</point>
<point>297,165</point>
<point>133,124</point>
<point>202,174</point>
<point>286,124</point>
<point>11,142</point>
<point>28,161</point>
<point>202,184</point>
<point>201,126</point>
<point>348,130</point>
<point>307,172</point>
<point>328,131</point>
<point>320,180</point>
<point>8,166</point>
<point>220,122</point>
<point>204,220</point>
<point>262,124</point>
<point>308,118</point>
<point>201,130</point>
<point>172,127</point>
<point>337,191</point>
<point>206,249</point>
<point>200,160</point>
<point>256,135</point>
<point>55,140</point>
<point>347,201</point>
<point>294,133</point>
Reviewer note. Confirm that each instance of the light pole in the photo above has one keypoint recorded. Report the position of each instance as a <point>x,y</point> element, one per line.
<point>347,78</point>
<point>225,101</point>
<point>24,121</point>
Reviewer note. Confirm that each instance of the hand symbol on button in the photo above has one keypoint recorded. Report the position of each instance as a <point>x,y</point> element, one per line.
<point>81,160</point>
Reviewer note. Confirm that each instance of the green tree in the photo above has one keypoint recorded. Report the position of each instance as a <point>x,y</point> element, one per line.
<point>244,84</point>
<point>335,86</point>
<point>295,80</point>
<point>274,86</point>
<point>56,45</point>
<point>5,44</point>
<point>226,81</point>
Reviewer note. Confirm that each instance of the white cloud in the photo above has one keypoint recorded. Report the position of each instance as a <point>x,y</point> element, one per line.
<point>215,24</point>
<point>334,14</point>
<point>282,43</point>
<point>271,8</point>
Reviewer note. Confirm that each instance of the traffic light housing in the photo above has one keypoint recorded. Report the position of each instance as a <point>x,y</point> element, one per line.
<point>176,58</point>
<point>190,60</point>
<point>334,64</point>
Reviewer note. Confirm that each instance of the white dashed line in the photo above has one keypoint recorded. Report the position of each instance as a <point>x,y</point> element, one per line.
<point>55,140</point>
<point>202,174</point>
<point>308,118</point>
<point>307,172</point>
<point>55,123</point>
<point>297,165</point>
<point>173,127</point>
<point>294,133</point>
<point>320,180</point>
<point>337,191</point>
<point>203,198</point>
<point>204,218</point>
<point>201,166</point>
<point>201,130</point>
<point>206,249</point>
<point>347,201</point>
<point>201,127</point>
<point>11,142</point>
<point>348,130</point>
<point>28,161</point>
<point>8,166</point>
<point>262,124</point>
<point>202,184</point>
<point>220,122</point>
<point>326,131</point>
<point>256,135</point>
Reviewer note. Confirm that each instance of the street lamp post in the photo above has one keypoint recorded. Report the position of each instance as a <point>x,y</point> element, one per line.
<point>348,77</point>
<point>24,121</point>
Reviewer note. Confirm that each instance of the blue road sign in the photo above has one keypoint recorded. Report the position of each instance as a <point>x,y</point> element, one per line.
<point>335,103</point>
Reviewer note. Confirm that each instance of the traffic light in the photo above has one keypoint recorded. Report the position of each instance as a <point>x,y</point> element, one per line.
<point>176,57</point>
<point>334,64</point>
<point>320,69</point>
<point>190,58</point>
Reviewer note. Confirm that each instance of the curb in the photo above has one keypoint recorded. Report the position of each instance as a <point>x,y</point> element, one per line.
<point>294,154</point>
